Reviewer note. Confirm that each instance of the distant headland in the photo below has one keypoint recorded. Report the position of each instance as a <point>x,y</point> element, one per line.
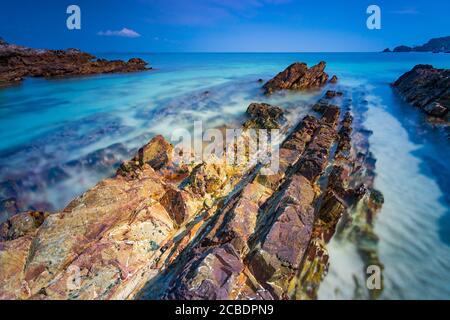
<point>434,45</point>
<point>18,62</point>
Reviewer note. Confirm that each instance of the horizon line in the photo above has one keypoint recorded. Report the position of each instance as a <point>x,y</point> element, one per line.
<point>232,52</point>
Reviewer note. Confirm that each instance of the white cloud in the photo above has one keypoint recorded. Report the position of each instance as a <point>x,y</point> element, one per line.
<point>406,11</point>
<point>125,32</point>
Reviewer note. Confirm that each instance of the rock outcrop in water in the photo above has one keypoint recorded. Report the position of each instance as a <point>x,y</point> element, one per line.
<point>17,63</point>
<point>160,229</point>
<point>426,88</point>
<point>298,77</point>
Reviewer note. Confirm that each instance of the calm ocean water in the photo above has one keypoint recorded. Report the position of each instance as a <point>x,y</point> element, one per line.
<point>60,137</point>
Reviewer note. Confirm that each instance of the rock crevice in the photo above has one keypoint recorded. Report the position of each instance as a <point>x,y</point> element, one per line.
<point>160,229</point>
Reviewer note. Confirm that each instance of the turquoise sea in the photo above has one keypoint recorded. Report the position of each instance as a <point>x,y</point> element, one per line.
<point>60,137</point>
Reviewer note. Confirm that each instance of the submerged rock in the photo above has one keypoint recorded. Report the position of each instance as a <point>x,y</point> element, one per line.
<point>8,207</point>
<point>332,94</point>
<point>334,79</point>
<point>298,77</point>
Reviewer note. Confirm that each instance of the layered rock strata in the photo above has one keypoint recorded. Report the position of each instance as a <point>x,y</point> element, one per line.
<point>195,230</point>
<point>269,239</point>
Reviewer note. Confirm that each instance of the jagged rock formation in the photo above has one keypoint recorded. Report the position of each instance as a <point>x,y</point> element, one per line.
<point>17,63</point>
<point>298,77</point>
<point>426,88</point>
<point>197,230</point>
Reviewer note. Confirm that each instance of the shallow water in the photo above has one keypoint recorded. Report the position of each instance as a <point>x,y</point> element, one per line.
<point>60,137</point>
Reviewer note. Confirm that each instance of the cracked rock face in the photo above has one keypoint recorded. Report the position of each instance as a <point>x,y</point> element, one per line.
<point>426,88</point>
<point>215,232</point>
<point>298,77</point>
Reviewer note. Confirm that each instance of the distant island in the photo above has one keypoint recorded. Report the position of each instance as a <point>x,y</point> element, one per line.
<point>434,45</point>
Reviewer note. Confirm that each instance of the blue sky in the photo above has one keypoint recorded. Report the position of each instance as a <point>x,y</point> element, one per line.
<point>223,25</point>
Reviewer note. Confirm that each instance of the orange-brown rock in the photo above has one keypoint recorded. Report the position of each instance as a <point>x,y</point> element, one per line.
<point>106,235</point>
<point>298,77</point>
<point>267,225</point>
<point>157,154</point>
<point>218,231</point>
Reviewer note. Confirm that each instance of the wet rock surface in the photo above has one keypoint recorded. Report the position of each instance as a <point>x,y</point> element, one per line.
<point>17,63</point>
<point>426,88</point>
<point>159,229</point>
<point>263,115</point>
<point>157,153</point>
<point>298,77</point>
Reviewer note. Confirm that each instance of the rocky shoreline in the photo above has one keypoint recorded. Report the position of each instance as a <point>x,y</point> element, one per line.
<point>426,88</point>
<point>18,62</point>
<point>167,230</point>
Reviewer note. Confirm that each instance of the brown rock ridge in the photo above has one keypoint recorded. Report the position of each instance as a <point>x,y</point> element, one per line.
<point>269,240</point>
<point>114,235</point>
<point>17,63</point>
<point>204,230</point>
<point>426,88</point>
<point>299,77</point>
